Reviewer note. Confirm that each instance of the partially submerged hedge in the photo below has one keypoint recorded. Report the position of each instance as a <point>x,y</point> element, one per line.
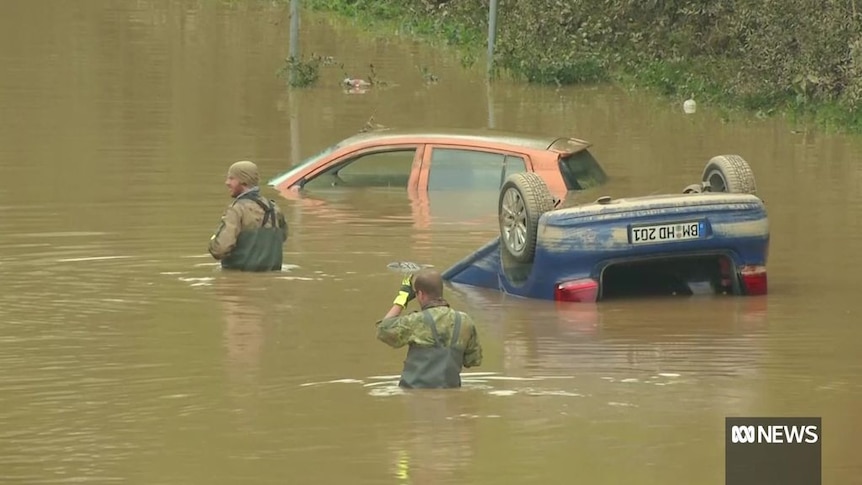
<point>799,56</point>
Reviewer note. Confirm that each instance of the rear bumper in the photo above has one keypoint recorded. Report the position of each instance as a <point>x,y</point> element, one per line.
<point>579,243</point>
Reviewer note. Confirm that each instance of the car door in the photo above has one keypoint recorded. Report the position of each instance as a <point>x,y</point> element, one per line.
<point>373,181</point>
<point>463,183</point>
<point>395,166</point>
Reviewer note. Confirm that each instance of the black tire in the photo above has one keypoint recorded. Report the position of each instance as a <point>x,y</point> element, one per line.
<point>524,197</point>
<point>729,173</point>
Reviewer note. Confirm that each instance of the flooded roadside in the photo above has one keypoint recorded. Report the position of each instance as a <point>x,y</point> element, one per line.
<point>127,357</point>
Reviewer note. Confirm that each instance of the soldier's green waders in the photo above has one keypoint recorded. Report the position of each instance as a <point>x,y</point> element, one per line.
<point>258,249</point>
<point>436,367</point>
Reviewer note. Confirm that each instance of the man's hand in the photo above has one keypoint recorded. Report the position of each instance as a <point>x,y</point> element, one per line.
<point>406,292</point>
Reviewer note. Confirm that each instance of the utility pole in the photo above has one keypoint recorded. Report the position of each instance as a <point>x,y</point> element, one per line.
<point>492,39</point>
<point>294,37</point>
<point>492,35</point>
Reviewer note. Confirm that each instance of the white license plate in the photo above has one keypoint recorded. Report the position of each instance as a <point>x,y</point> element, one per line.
<point>682,231</point>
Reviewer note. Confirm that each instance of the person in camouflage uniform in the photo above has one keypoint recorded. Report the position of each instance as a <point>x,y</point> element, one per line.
<point>253,230</point>
<point>441,340</point>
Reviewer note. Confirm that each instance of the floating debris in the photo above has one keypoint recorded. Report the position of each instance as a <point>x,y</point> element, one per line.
<point>554,393</point>
<point>689,106</point>
<point>91,258</point>
<point>407,267</point>
<point>336,381</point>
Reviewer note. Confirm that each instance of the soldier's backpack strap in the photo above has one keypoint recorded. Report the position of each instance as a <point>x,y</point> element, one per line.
<point>268,212</point>
<point>429,321</point>
<point>456,330</point>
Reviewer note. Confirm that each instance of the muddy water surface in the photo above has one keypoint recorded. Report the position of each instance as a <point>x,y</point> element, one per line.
<point>126,357</point>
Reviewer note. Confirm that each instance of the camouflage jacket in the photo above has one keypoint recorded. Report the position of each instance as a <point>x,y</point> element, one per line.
<point>410,329</point>
<point>251,234</point>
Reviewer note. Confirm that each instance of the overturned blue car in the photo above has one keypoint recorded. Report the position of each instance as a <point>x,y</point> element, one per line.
<point>712,238</point>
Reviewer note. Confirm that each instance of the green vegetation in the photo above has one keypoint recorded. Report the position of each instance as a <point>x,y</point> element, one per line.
<point>797,57</point>
<point>305,72</point>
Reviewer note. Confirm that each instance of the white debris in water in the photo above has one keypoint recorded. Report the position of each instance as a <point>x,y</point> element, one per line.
<point>554,393</point>
<point>387,377</point>
<point>668,374</point>
<point>622,404</point>
<point>381,383</point>
<point>300,278</point>
<point>91,258</point>
<point>630,379</point>
<point>336,381</point>
<point>689,106</point>
<point>386,391</point>
<point>502,393</point>
<point>171,272</point>
<point>609,379</point>
<point>206,278</point>
<point>288,267</point>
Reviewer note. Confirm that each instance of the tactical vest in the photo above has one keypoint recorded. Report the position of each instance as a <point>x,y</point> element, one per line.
<point>259,248</point>
<point>434,367</point>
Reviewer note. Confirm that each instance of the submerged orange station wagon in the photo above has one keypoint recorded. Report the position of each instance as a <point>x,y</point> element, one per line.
<point>469,160</point>
<point>713,237</point>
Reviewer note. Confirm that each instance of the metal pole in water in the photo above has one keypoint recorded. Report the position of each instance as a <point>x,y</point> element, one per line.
<point>489,93</point>
<point>294,35</point>
<point>492,34</point>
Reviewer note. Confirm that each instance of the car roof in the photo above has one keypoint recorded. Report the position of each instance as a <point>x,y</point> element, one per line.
<point>481,135</point>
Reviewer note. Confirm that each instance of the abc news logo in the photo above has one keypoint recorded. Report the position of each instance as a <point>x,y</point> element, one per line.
<point>775,434</point>
<point>773,451</point>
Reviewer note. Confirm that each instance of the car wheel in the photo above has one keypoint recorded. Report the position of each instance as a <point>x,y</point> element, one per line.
<point>693,189</point>
<point>729,173</point>
<point>524,197</point>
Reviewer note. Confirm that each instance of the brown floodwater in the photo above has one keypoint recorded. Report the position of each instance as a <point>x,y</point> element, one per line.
<point>127,357</point>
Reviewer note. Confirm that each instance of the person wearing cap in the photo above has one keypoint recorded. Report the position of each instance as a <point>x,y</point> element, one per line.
<point>441,340</point>
<point>253,229</point>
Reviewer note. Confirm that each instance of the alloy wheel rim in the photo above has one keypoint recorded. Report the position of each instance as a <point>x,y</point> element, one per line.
<point>514,221</point>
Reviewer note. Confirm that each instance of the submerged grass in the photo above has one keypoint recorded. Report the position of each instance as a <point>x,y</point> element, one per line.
<point>801,59</point>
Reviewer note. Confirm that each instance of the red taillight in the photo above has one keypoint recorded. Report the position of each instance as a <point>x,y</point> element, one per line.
<point>754,279</point>
<point>582,291</point>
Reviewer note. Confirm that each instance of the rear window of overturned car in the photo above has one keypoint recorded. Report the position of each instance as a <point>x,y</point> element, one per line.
<point>581,171</point>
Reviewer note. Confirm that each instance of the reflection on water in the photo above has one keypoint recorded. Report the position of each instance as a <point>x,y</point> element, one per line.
<point>127,355</point>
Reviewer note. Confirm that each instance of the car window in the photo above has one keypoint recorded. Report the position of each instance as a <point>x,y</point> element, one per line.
<point>460,169</point>
<point>581,171</point>
<point>513,164</point>
<point>386,168</point>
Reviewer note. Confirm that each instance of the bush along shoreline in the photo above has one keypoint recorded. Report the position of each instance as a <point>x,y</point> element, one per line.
<point>797,58</point>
